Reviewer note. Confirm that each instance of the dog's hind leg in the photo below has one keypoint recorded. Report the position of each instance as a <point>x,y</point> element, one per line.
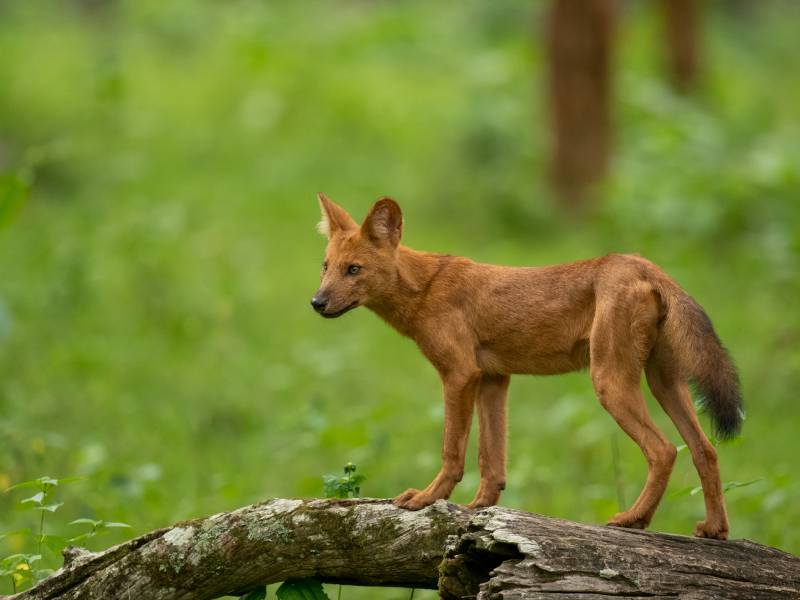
<point>624,330</point>
<point>672,392</point>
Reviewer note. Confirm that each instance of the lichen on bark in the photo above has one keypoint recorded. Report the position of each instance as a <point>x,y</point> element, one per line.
<point>488,553</point>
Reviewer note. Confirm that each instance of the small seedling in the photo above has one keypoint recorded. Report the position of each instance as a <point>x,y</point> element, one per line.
<point>41,502</point>
<point>348,486</point>
<point>19,568</point>
<point>334,486</point>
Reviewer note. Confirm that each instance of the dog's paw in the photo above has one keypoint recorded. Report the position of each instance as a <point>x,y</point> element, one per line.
<point>480,503</point>
<point>488,494</point>
<point>413,499</point>
<point>714,531</point>
<point>484,500</point>
<point>629,520</point>
<point>405,496</point>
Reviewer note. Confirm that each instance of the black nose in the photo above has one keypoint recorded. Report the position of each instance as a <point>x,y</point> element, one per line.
<point>319,303</point>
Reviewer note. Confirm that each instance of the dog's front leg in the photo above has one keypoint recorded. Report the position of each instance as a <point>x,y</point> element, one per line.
<point>492,447</point>
<point>460,391</point>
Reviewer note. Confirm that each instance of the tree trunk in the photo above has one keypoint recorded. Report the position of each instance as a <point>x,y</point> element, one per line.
<point>681,20</point>
<point>580,52</point>
<point>493,553</point>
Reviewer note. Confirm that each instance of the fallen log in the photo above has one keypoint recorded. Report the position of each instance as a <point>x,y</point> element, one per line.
<point>492,553</point>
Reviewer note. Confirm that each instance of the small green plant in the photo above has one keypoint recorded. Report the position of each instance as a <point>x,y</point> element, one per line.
<point>22,569</point>
<point>42,502</point>
<point>348,486</point>
<point>19,568</point>
<point>292,589</point>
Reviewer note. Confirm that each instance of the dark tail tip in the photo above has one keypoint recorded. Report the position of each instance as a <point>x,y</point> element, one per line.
<point>720,397</point>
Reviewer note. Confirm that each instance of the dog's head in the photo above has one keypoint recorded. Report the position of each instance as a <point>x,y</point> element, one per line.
<point>359,261</point>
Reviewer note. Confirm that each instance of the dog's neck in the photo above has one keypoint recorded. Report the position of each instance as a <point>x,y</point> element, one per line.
<point>404,295</point>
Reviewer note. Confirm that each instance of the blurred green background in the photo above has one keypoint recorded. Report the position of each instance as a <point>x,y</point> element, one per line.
<point>155,332</point>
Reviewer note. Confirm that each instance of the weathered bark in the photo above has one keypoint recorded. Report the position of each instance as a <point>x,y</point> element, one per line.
<point>540,557</point>
<point>493,553</point>
<point>681,20</point>
<point>580,51</point>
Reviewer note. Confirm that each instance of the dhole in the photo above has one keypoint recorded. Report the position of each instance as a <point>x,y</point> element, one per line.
<point>479,324</point>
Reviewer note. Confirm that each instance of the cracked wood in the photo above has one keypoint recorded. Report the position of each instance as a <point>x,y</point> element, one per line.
<point>493,553</point>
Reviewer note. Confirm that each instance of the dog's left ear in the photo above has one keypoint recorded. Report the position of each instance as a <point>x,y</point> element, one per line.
<point>384,223</point>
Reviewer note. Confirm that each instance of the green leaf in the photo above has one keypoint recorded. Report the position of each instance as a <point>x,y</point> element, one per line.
<point>10,564</point>
<point>13,193</point>
<point>301,589</point>
<point>50,507</point>
<point>20,558</point>
<point>47,482</point>
<point>25,531</point>
<point>114,525</point>
<point>43,483</point>
<point>55,543</point>
<point>330,486</point>
<point>22,485</point>
<point>91,522</point>
<point>36,499</point>
<point>694,490</point>
<point>348,486</point>
<point>65,480</point>
<point>259,594</point>
<point>98,527</point>
<point>737,484</point>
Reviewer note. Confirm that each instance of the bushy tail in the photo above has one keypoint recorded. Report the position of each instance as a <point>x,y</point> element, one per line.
<point>704,359</point>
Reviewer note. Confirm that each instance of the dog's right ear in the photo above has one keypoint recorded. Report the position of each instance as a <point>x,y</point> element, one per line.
<point>335,219</point>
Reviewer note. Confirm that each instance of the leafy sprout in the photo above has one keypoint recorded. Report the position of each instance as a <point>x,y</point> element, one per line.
<point>348,486</point>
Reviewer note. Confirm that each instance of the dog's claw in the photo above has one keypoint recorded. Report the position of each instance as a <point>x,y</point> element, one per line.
<point>714,532</point>
<point>405,496</point>
<point>628,520</point>
<point>413,499</point>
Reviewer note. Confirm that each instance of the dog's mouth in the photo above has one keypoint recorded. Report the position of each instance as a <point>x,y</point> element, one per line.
<point>339,313</point>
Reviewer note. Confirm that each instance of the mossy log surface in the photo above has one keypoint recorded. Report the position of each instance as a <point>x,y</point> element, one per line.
<point>492,553</point>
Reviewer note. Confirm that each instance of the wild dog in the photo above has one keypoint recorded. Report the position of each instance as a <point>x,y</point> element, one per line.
<point>478,324</point>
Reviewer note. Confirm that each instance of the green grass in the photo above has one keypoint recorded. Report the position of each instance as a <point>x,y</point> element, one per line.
<point>155,333</point>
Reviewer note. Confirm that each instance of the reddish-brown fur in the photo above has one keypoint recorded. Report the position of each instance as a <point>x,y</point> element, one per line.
<point>478,324</point>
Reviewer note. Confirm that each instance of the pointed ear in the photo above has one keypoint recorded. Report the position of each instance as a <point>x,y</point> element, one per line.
<point>384,223</point>
<point>335,219</point>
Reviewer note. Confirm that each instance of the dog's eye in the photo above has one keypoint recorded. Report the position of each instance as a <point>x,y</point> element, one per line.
<point>324,266</point>
<point>353,269</point>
